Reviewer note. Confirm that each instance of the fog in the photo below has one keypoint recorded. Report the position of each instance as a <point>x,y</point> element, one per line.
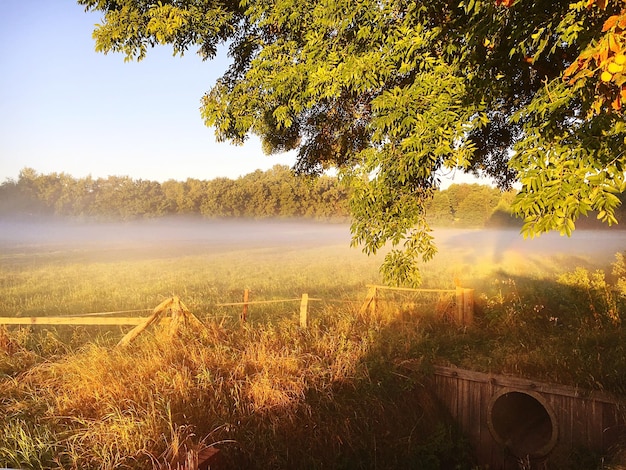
<point>181,236</point>
<point>177,236</point>
<point>594,247</point>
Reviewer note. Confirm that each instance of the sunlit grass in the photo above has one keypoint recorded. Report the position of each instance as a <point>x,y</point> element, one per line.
<point>336,395</point>
<point>68,286</point>
<point>272,395</point>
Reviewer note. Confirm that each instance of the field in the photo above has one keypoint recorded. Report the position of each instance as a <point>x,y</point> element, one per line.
<point>345,393</point>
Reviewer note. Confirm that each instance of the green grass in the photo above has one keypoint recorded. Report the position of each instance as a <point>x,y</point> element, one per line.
<point>69,284</point>
<point>337,395</point>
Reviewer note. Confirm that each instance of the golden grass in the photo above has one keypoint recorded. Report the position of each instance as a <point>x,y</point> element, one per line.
<point>127,407</point>
<point>344,393</point>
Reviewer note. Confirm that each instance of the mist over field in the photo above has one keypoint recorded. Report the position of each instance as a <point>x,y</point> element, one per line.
<point>189,236</point>
<point>179,236</point>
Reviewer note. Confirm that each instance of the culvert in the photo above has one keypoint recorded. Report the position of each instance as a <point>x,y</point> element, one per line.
<point>523,423</point>
<point>499,411</point>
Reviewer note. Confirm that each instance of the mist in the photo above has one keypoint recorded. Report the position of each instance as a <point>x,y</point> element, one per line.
<point>167,236</point>
<point>189,236</point>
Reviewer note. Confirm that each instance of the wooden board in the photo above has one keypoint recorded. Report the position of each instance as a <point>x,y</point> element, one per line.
<point>71,320</point>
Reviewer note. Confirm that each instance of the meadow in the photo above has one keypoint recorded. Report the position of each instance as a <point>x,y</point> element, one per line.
<point>348,392</point>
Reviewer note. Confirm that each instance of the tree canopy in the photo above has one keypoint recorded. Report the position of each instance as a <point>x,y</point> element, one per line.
<point>393,92</point>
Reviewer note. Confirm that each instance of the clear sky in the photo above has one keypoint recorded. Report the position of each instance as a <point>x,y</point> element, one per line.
<point>66,108</point>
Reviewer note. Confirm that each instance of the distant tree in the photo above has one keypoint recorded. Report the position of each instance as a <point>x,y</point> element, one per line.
<point>503,216</point>
<point>173,193</point>
<point>216,203</point>
<point>328,199</point>
<point>439,209</point>
<point>477,206</point>
<point>119,197</point>
<point>30,184</point>
<point>261,202</point>
<point>76,197</point>
<point>15,200</point>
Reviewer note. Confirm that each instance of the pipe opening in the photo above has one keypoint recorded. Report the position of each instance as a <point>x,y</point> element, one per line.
<point>523,423</point>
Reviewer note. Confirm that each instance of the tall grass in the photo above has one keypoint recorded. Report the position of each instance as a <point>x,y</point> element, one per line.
<point>272,396</point>
<point>348,392</point>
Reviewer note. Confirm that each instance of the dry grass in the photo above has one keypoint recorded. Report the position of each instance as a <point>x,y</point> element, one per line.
<point>271,395</point>
<point>345,393</point>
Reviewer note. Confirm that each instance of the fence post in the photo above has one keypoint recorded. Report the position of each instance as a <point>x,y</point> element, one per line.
<point>374,304</point>
<point>304,307</point>
<point>468,306</point>
<point>370,300</point>
<point>244,312</point>
<point>459,304</point>
<point>464,305</point>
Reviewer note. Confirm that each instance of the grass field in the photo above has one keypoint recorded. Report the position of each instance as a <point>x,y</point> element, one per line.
<point>274,395</point>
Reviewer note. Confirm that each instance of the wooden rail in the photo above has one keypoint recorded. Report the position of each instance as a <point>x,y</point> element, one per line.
<point>304,305</point>
<point>74,320</point>
<point>464,300</point>
<point>258,302</point>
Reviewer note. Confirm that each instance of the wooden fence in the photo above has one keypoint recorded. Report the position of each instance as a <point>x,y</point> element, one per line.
<point>304,305</point>
<point>464,300</point>
<point>73,320</point>
<point>464,309</point>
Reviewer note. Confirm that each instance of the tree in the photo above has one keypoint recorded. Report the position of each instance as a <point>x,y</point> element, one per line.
<point>477,205</point>
<point>391,92</point>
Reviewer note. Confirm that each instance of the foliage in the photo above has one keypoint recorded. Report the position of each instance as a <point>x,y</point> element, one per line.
<point>273,193</point>
<point>393,92</point>
<point>599,295</point>
<point>605,57</point>
<point>537,328</point>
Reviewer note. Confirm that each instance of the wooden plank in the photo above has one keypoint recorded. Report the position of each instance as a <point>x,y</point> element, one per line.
<point>256,302</point>
<point>446,391</point>
<point>208,458</point>
<point>97,314</point>
<point>474,404</point>
<point>304,307</point>
<point>487,448</point>
<point>156,315</point>
<point>580,436</point>
<point>79,320</point>
<point>611,426</point>
<point>244,312</point>
<point>468,306</point>
<point>594,424</point>
<point>561,406</point>
<point>367,305</point>
<point>526,384</point>
<point>465,405</point>
<point>459,304</point>
<point>374,302</point>
<point>408,289</point>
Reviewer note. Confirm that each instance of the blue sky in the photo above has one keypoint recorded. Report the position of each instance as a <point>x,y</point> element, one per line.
<point>66,108</point>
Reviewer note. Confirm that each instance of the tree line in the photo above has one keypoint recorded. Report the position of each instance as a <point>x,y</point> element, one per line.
<point>273,193</point>
<point>277,192</point>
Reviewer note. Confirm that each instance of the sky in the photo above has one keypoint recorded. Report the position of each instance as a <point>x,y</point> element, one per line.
<point>66,108</point>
